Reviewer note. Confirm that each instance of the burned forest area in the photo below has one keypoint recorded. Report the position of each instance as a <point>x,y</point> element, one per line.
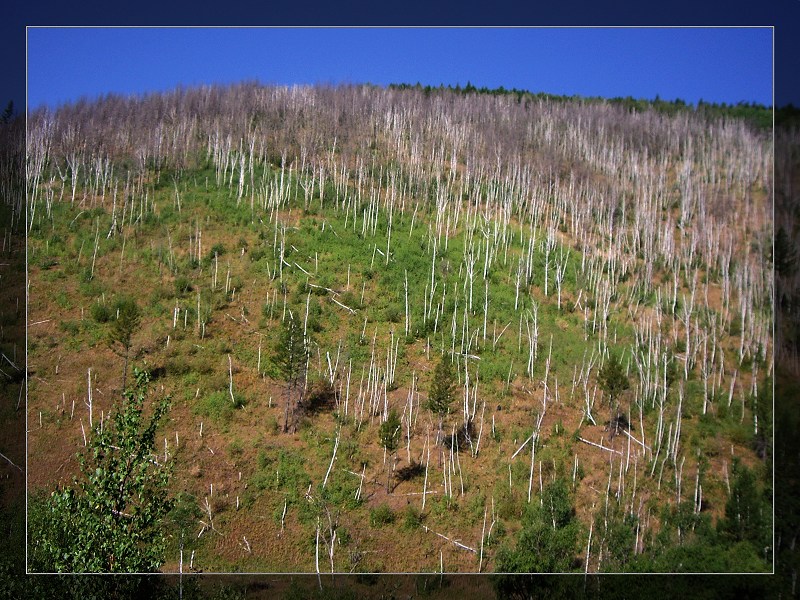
<point>361,329</point>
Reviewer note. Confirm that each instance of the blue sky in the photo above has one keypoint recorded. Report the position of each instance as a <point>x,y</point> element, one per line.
<point>715,64</point>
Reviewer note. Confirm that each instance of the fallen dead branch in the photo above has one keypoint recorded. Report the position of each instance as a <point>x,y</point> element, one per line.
<point>600,446</point>
<point>459,544</point>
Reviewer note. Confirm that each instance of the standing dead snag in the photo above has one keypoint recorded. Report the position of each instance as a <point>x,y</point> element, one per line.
<point>230,387</point>
<point>291,358</point>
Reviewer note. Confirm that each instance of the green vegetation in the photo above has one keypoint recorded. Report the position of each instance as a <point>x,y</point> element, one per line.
<point>548,541</point>
<point>219,406</point>
<point>291,355</point>
<point>125,322</point>
<point>613,382</point>
<point>389,436</point>
<point>442,391</point>
<point>381,515</point>
<point>441,295</point>
<point>109,520</point>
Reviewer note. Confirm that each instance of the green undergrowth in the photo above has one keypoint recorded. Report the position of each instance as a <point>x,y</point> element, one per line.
<point>213,286</point>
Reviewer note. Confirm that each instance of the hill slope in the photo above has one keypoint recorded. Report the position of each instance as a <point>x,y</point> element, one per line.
<point>528,242</point>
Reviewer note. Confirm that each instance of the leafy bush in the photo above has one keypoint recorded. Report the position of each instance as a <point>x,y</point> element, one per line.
<point>380,516</point>
<point>70,327</point>
<point>183,518</point>
<point>236,447</point>
<point>548,542</point>
<point>110,520</point>
<point>100,312</point>
<point>351,300</point>
<point>178,365</point>
<point>63,300</point>
<point>393,313</point>
<point>340,490</point>
<point>182,285</point>
<point>412,518</point>
<point>47,262</point>
<point>286,473</point>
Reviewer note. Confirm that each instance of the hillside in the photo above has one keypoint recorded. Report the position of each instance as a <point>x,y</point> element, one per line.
<point>529,244</point>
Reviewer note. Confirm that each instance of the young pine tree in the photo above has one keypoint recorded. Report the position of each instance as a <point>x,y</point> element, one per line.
<point>389,437</point>
<point>291,359</point>
<point>613,382</point>
<point>442,391</point>
<point>125,322</point>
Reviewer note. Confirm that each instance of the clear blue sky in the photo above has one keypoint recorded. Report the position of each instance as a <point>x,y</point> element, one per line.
<point>715,64</point>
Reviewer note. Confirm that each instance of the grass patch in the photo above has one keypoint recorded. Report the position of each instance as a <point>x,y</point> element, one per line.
<point>218,406</point>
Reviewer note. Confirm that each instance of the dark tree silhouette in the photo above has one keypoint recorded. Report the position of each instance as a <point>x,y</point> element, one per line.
<point>548,541</point>
<point>8,113</point>
<point>785,254</point>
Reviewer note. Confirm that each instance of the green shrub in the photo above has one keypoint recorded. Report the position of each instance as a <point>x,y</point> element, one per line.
<point>217,249</point>
<point>236,447</point>
<point>182,285</point>
<point>343,536</point>
<point>70,327</point>
<point>263,459</point>
<point>100,312</point>
<point>351,300</point>
<point>735,327</point>
<point>495,535</point>
<point>340,491</point>
<point>158,294</point>
<point>71,530</point>
<point>63,300</point>
<point>412,518</point>
<point>178,365</point>
<point>549,539</point>
<point>257,254</point>
<point>393,313</point>
<point>90,288</point>
<point>47,262</point>
<point>380,516</point>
